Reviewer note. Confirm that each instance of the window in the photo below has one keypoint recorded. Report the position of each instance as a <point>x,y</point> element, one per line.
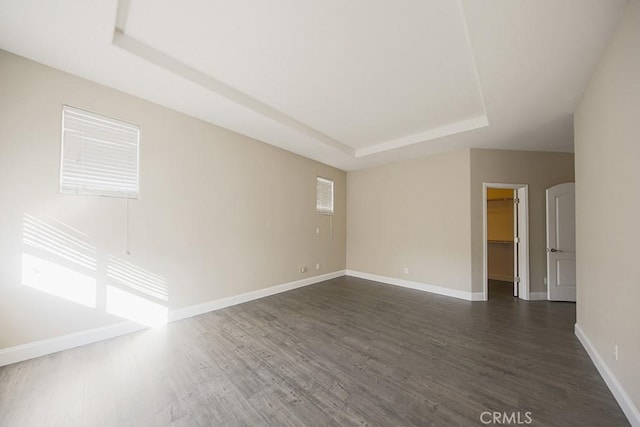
<point>324,196</point>
<point>99,155</point>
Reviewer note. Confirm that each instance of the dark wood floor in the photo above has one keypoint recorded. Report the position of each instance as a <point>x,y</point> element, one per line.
<point>343,352</point>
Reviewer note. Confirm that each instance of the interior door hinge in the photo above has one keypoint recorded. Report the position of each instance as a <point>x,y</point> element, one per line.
<point>516,240</point>
<point>516,200</point>
<point>517,280</point>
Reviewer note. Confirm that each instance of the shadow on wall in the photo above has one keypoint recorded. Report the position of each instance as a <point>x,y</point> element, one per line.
<point>58,260</point>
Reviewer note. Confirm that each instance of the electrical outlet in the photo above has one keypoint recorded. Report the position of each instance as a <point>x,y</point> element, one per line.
<point>317,266</point>
<point>615,351</point>
<point>545,280</point>
<point>406,270</point>
<point>303,269</point>
<point>317,230</point>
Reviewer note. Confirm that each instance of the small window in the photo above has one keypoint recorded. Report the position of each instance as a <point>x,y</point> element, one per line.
<point>99,155</point>
<point>324,196</point>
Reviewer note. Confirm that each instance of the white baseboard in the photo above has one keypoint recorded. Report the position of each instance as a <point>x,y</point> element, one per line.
<point>537,296</point>
<point>478,296</point>
<point>619,393</point>
<point>53,345</point>
<point>195,310</point>
<point>440,290</point>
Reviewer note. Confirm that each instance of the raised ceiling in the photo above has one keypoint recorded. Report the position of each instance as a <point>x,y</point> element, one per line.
<point>349,83</point>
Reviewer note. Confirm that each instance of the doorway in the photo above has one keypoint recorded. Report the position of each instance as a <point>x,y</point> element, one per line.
<point>506,240</point>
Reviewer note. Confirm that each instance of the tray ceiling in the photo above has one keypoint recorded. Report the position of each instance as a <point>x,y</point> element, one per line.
<point>351,84</point>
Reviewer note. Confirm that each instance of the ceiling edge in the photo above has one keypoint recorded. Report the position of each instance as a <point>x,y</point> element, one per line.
<point>439,132</point>
<point>145,52</point>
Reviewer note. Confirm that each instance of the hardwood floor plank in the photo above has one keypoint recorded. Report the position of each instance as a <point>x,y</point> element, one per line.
<point>347,352</point>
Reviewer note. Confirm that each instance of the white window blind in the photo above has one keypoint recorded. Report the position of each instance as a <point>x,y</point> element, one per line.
<point>100,155</point>
<point>324,196</point>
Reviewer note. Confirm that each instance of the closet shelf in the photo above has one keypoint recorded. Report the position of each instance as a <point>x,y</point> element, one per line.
<point>504,242</point>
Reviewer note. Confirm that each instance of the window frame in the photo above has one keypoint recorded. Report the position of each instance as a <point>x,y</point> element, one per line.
<point>320,209</point>
<point>66,188</point>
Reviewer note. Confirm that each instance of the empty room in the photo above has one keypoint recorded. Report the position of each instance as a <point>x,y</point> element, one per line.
<point>319,213</point>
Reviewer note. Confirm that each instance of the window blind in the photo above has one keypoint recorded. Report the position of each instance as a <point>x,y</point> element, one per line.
<point>324,196</point>
<point>100,155</point>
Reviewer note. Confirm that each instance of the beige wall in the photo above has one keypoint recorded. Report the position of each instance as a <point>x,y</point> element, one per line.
<point>540,170</point>
<point>219,214</point>
<point>412,214</point>
<point>607,130</point>
<point>426,214</point>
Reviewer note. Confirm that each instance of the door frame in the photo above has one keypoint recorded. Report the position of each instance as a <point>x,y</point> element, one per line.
<point>522,192</point>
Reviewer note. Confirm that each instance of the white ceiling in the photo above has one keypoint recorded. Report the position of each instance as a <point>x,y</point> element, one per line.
<point>350,83</point>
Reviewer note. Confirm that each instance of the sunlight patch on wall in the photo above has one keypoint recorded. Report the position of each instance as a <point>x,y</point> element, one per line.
<point>134,277</point>
<point>58,239</point>
<point>54,279</point>
<point>57,261</point>
<point>136,294</point>
<point>132,307</point>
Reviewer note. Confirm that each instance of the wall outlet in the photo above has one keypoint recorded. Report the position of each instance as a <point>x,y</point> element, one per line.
<point>303,269</point>
<point>545,280</point>
<point>317,230</point>
<point>317,266</point>
<point>615,351</point>
<point>406,270</point>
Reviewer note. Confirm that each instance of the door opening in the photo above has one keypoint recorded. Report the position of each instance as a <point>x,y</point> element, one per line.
<point>502,248</point>
<point>506,255</point>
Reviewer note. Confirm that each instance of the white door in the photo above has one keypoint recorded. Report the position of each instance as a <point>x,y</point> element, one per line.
<point>561,242</point>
